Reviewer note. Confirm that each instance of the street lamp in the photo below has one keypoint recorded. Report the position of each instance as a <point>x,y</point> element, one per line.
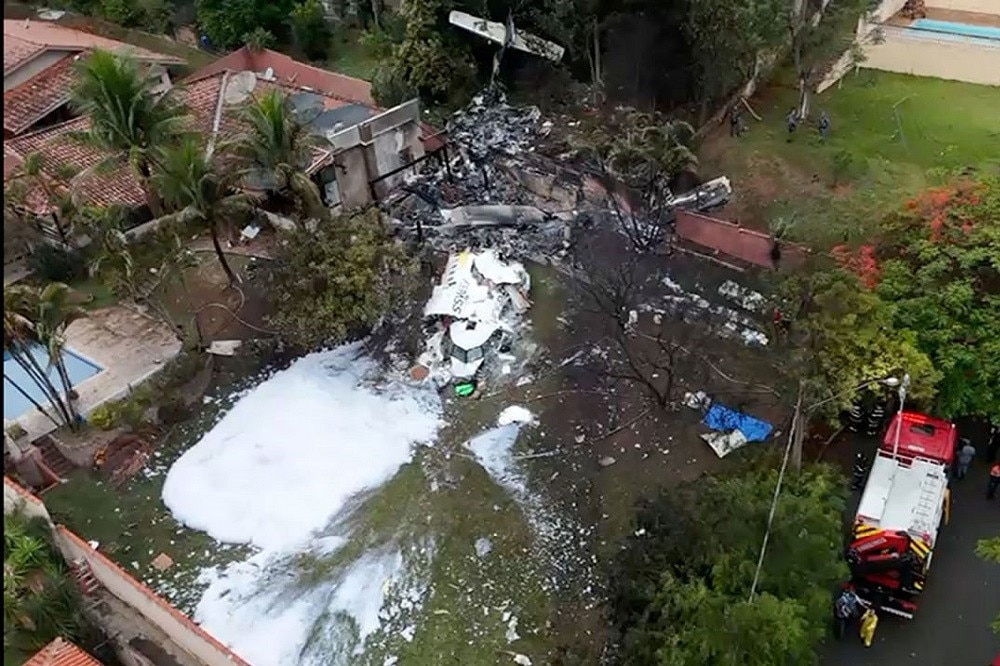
<point>899,418</point>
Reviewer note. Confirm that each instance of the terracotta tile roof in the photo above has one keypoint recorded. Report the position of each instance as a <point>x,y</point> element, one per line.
<point>24,40</point>
<point>289,71</point>
<point>61,653</point>
<point>25,104</point>
<point>16,51</point>
<point>61,154</point>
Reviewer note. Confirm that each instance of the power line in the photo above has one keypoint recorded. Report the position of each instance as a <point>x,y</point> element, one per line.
<point>777,492</point>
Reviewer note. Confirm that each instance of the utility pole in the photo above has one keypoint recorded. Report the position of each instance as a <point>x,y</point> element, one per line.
<point>903,386</point>
<point>799,423</point>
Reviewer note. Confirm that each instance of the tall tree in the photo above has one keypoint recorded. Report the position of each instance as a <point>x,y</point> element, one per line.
<point>842,335</point>
<point>128,122</point>
<point>45,313</point>
<point>21,340</point>
<point>989,550</point>
<point>680,586</point>
<point>727,40</point>
<point>275,150</point>
<point>939,267</point>
<point>227,23</point>
<point>820,32</point>
<point>202,188</point>
<point>339,280</point>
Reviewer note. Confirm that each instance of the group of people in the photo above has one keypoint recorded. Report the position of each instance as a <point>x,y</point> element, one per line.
<point>792,122</point>
<point>966,454</point>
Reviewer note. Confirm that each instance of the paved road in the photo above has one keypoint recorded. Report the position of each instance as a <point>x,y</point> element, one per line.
<point>962,596</point>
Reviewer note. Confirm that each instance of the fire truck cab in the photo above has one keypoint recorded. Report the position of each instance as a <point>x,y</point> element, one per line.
<point>902,507</point>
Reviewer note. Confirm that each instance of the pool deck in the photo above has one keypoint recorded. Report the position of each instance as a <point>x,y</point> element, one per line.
<point>953,15</point>
<point>128,345</point>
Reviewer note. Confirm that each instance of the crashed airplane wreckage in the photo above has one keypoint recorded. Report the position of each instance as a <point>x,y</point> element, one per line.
<point>476,311</point>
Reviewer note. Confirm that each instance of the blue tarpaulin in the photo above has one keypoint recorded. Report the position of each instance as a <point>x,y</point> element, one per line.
<point>720,417</point>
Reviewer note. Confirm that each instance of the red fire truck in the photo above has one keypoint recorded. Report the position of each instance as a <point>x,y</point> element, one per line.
<point>904,502</point>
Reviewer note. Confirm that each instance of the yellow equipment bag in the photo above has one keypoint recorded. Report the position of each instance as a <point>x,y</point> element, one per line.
<point>869,621</point>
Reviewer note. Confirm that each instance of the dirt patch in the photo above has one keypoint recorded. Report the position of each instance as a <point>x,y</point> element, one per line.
<point>205,305</point>
<point>759,180</point>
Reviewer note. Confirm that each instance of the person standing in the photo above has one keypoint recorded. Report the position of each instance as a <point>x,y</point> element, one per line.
<point>734,122</point>
<point>994,482</point>
<point>791,121</point>
<point>965,456</point>
<point>824,127</point>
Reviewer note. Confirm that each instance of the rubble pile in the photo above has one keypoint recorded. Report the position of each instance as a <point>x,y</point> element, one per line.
<point>488,142</point>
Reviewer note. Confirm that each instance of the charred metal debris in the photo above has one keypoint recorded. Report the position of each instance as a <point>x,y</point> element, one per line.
<point>503,189</point>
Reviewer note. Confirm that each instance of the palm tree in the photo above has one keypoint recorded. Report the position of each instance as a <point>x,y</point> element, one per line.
<point>128,122</point>
<point>201,189</point>
<point>55,314</point>
<point>19,342</point>
<point>276,149</point>
<point>39,317</point>
<point>40,599</point>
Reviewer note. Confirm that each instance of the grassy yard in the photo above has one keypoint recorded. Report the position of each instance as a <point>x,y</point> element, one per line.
<point>891,135</point>
<point>350,55</point>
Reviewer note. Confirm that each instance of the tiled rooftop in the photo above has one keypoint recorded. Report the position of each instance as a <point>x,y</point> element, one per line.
<point>23,40</point>
<point>27,103</point>
<point>61,653</point>
<point>62,154</point>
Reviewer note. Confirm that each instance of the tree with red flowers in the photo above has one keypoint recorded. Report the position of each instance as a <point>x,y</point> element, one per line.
<point>936,262</point>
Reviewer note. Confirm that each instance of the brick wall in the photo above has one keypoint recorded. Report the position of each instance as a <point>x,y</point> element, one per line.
<point>736,242</point>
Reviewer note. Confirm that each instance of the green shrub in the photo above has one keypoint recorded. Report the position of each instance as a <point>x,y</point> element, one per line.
<point>55,264</point>
<point>104,417</point>
<point>843,166</point>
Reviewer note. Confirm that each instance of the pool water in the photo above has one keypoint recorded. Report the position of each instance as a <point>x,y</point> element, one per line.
<point>14,403</point>
<point>966,29</point>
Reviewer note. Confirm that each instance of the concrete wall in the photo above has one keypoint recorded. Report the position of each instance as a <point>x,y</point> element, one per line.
<point>32,68</point>
<point>374,148</point>
<point>352,177</point>
<point>734,241</point>
<point>924,55</point>
<point>178,627</point>
<point>982,6</point>
<point>17,498</point>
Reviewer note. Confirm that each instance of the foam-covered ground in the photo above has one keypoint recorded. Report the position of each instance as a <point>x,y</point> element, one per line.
<point>276,472</point>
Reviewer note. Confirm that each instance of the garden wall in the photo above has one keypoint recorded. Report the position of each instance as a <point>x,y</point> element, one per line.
<point>908,52</point>
<point>981,6</point>
<point>15,497</point>
<point>746,245</point>
<point>177,626</point>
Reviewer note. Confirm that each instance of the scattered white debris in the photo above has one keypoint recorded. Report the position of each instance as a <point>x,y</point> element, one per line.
<point>511,634</point>
<point>606,461</point>
<point>697,400</point>
<point>515,414</point>
<point>94,544</point>
<point>483,547</point>
<point>724,443</point>
<point>748,299</point>
<point>224,347</point>
<point>522,660</point>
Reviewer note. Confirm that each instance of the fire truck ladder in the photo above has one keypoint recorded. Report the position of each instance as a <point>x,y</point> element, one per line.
<point>926,508</point>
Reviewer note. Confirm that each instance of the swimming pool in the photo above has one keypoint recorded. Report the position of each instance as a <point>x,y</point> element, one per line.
<point>951,28</point>
<point>15,404</point>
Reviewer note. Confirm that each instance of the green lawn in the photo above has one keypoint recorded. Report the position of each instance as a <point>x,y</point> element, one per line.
<point>891,136</point>
<point>350,55</point>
